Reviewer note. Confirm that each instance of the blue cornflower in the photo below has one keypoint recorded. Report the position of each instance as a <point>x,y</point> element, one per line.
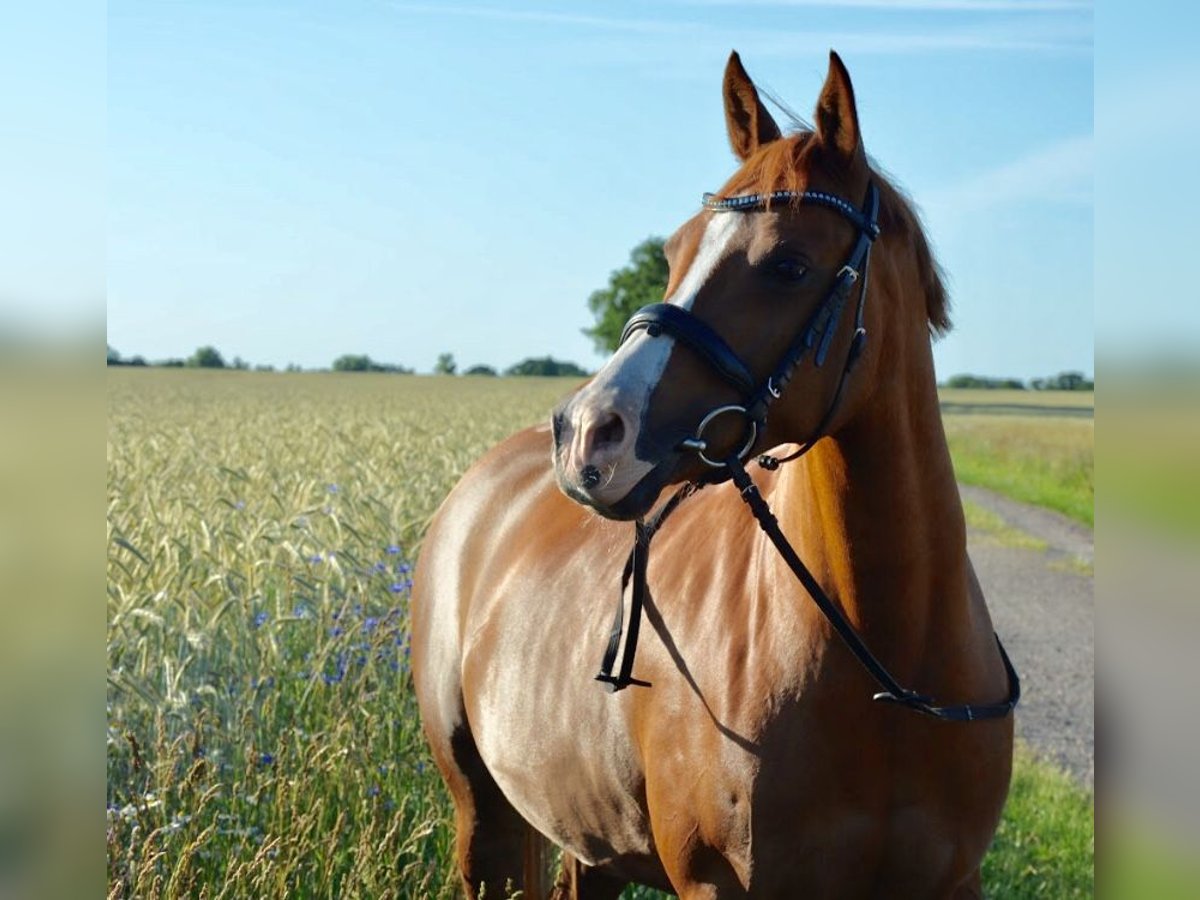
<point>397,587</point>
<point>333,488</point>
<point>369,624</point>
<point>266,759</point>
<point>335,631</point>
<point>392,549</point>
<point>403,568</point>
<point>316,558</point>
<point>373,791</point>
<point>260,618</point>
<point>241,504</point>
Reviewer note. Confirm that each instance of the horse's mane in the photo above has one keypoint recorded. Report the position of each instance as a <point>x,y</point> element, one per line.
<point>783,165</point>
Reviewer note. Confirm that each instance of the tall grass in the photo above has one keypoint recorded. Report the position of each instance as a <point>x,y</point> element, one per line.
<point>262,738</point>
<point>1044,460</point>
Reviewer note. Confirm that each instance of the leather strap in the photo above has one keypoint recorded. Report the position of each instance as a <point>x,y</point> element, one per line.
<point>659,318</point>
<point>635,573</point>
<point>892,691</point>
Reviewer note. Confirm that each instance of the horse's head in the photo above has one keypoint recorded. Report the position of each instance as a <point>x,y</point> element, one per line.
<point>768,286</point>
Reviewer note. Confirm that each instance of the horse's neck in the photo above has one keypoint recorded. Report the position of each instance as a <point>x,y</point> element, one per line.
<point>876,514</point>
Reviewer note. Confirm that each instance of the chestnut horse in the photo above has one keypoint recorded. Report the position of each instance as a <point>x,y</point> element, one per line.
<point>754,762</point>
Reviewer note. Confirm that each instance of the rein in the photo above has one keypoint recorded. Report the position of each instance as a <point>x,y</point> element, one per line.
<point>685,327</point>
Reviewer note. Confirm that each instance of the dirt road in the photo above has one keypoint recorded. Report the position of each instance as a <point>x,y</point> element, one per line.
<point>1042,606</point>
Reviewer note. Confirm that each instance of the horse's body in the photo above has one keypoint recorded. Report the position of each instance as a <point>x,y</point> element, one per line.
<point>756,762</point>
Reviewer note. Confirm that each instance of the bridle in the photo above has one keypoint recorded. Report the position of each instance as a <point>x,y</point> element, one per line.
<point>817,336</point>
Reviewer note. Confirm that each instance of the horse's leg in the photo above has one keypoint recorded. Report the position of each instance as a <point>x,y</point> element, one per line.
<point>496,849</point>
<point>577,881</point>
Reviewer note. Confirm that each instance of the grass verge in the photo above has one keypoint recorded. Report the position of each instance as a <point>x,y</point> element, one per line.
<point>1044,460</point>
<point>1045,846</point>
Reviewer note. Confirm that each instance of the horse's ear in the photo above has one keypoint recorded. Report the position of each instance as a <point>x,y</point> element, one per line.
<point>750,125</point>
<point>836,115</point>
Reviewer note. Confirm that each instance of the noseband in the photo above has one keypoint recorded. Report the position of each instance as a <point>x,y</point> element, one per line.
<point>817,335</point>
<point>660,319</point>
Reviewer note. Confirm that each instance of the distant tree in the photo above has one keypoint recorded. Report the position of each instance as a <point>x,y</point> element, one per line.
<point>984,382</point>
<point>544,365</point>
<point>360,362</point>
<point>206,358</point>
<point>114,358</point>
<point>352,362</point>
<point>240,364</point>
<point>1069,381</point>
<point>480,370</point>
<point>445,364</point>
<point>138,360</point>
<point>171,363</point>
<point>293,367</point>
<point>1063,381</point>
<point>264,368</point>
<point>641,282</point>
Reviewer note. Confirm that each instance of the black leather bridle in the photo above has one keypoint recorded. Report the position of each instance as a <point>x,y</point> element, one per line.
<point>817,336</point>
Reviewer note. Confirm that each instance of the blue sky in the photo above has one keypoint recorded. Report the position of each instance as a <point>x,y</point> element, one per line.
<point>295,181</point>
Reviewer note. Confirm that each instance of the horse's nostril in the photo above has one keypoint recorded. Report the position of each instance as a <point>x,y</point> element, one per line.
<point>609,431</point>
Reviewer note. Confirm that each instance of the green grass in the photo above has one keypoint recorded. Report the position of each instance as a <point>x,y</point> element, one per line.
<point>263,739</point>
<point>1045,845</point>
<point>996,529</point>
<point>1080,402</point>
<point>1043,460</point>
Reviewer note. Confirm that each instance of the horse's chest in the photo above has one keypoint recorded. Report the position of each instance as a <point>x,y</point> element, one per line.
<point>562,753</point>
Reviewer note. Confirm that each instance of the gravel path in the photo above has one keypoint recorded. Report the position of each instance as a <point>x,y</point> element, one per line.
<point>1042,606</point>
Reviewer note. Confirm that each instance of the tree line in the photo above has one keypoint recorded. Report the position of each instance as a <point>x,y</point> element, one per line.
<point>1063,381</point>
<point>208,357</point>
<point>641,282</point>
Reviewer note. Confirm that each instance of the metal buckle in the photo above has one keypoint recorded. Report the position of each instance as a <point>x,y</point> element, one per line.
<point>849,270</point>
<point>698,443</point>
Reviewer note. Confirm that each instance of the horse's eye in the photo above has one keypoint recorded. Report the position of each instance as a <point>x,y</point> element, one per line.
<point>789,269</point>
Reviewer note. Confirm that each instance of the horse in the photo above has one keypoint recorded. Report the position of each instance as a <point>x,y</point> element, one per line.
<point>744,754</point>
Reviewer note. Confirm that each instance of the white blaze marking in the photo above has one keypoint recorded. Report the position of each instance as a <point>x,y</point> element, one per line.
<point>628,379</point>
<point>717,232</point>
<point>639,363</point>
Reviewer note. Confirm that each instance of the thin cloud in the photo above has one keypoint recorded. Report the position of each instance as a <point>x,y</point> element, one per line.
<point>543,17</point>
<point>1060,172</point>
<point>1008,36</point>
